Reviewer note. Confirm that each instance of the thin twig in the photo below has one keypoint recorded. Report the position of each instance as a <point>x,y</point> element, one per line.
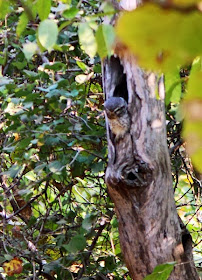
<point>177,145</point>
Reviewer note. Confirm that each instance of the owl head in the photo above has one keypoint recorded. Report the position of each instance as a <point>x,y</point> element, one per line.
<point>115,107</point>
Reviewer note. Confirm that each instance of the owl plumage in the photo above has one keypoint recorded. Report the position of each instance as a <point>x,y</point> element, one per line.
<point>116,109</point>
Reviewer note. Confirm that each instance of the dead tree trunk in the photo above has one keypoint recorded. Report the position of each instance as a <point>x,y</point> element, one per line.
<point>139,175</point>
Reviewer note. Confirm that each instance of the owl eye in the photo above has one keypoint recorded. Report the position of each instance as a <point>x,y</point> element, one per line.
<point>119,109</point>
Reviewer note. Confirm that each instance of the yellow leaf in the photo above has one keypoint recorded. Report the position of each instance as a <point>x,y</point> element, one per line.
<point>17,136</point>
<point>13,267</point>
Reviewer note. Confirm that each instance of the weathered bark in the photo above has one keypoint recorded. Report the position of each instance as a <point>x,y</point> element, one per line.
<point>139,175</point>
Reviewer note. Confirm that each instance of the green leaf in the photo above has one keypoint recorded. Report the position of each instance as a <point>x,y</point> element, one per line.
<point>78,169</point>
<point>5,81</point>
<point>196,65</point>
<point>70,13</point>
<point>194,83</point>
<point>13,171</point>
<point>31,74</point>
<point>32,221</point>
<point>48,33</point>
<point>192,108</point>
<point>88,221</point>
<point>56,66</point>
<point>162,39</point>
<point>30,9</point>
<point>20,65</point>
<point>44,127</point>
<point>110,263</point>
<point>192,131</point>
<point>43,8</point>
<point>8,257</point>
<point>77,243</point>
<point>98,167</point>
<point>73,93</point>
<point>56,167</point>
<point>52,93</point>
<point>22,24</point>
<point>3,259</point>
<point>173,87</point>
<point>105,37</point>
<point>87,39</point>
<point>97,68</point>
<point>24,143</point>
<point>29,49</point>
<point>82,65</point>
<point>114,222</point>
<point>53,266</point>
<point>4,8</point>
<point>161,272</point>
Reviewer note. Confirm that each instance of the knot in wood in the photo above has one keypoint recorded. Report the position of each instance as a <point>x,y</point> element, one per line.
<point>137,175</point>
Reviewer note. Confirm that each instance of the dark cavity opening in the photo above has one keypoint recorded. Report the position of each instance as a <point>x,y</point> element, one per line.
<point>121,89</point>
<point>186,241</point>
<point>131,176</point>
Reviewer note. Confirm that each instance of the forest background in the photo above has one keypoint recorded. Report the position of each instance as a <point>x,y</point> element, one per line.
<point>57,220</point>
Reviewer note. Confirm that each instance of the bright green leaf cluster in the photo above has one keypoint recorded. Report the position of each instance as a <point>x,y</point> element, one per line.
<point>161,39</point>
<point>102,42</point>
<point>192,107</point>
<point>52,135</point>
